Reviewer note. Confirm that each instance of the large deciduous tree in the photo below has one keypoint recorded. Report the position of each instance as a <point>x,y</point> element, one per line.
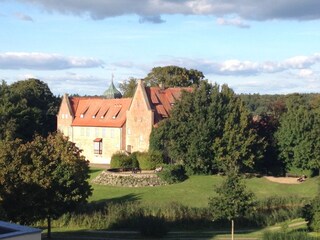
<point>209,130</point>
<point>173,76</point>
<point>168,76</point>
<point>42,179</point>
<point>27,108</point>
<point>233,200</point>
<point>298,136</point>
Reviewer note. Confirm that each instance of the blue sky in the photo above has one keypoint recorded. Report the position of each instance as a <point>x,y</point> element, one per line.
<point>266,46</point>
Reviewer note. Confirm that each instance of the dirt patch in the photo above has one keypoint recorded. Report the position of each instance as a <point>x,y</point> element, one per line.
<point>285,180</point>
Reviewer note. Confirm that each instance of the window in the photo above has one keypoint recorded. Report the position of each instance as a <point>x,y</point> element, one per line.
<point>104,132</point>
<point>112,133</point>
<point>82,131</point>
<point>97,146</point>
<point>88,132</point>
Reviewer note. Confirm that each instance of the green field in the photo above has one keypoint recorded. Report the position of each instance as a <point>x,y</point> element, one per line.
<point>196,190</point>
<point>193,192</point>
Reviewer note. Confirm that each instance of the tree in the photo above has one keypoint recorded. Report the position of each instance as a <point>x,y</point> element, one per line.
<point>42,179</point>
<point>233,200</point>
<point>205,125</point>
<point>128,87</point>
<point>298,135</point>
<point>173,76</point>
<point>27,108</point>
<point>168,76</point>
<point>239,147</point>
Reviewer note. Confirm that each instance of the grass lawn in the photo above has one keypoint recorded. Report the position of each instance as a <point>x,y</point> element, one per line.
<point>196,190</point>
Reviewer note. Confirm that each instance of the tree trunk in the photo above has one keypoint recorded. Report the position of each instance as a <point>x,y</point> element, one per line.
<point>49,228</point>
<point>232,229</point>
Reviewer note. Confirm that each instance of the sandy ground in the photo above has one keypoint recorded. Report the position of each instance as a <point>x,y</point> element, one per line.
<point>285,180</point>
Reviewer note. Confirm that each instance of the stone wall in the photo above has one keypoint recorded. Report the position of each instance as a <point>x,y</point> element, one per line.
<point>128,179</point>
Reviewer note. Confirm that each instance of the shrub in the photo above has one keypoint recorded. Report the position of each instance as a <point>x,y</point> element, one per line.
<point>134,160</point>
<point>149,160</point>
<point>295,235</point>
<point>173,173</point>
<point>151,226</point>
<point>311,213</point>
<point>120,160</point>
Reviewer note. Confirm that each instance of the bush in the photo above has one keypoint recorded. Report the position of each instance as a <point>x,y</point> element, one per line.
<point>295,235</point>
<point>173,173</point>
<point>134,160</point>
<point>311,213</point>
<point>149,160</point>
<point>120,160</point>
<point>151,226</point>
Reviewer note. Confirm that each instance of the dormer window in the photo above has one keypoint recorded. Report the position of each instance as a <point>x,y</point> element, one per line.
<point>94,116</point>
<point>82,115</point>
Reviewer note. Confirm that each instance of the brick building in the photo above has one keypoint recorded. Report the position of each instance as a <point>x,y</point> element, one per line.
<point>102,126</point>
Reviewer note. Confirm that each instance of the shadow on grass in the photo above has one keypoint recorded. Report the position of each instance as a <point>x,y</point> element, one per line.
<point>94,170</point>
<point>103,203</point>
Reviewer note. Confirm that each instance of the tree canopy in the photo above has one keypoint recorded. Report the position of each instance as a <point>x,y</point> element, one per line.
<point>43,178</point>
<point>298,136</point>
<point>209,130</point>
<point>233,200</point>
<point>26,108</point>
<point>168,76</point>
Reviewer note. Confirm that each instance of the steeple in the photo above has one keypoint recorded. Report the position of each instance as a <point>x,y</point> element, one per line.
<point>112,91</point>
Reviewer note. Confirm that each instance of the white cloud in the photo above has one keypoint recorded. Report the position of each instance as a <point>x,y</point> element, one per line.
<point>305,73</point>
<point>23,17</point>
<point>235,67</point>
<point>45,61</point>
<point>246,9</point>
<point>236,22</point>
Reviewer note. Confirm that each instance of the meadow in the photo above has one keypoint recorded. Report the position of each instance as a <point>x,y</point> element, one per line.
<point>115,212</point>
<point>195,191</point>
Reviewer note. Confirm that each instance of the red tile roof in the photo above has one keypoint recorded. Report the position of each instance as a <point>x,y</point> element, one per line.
<point>162,100</point>
<point>99,112</point>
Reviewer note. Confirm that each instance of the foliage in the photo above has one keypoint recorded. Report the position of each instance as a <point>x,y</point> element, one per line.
<point>172,173</point>
<point>295,235</point>
<point>265,126</point>
<point>311,213</point>
<point>239,148</point>
<point>120,160</point>
<point>128,87</point>
<point>272,210</point>
<point>298,136</point>
<point>151,226</point>
<point>149,160</point>
<point>209,129</point>
<point>173,76</point>
<point>42,179</point>
<point>134,160</point>
<point>233,200</point>
<point>168,76</point>
<point>27,108</point>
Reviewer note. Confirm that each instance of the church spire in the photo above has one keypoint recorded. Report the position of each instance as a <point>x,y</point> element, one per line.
<point>112,91</point>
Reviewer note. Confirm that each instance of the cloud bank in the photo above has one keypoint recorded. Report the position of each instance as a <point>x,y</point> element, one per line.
<point>235,67</point>
<point>259,10</point>
<point>45,61</point>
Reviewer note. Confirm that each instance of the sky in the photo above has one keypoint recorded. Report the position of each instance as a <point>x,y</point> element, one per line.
<point>75,46</point>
